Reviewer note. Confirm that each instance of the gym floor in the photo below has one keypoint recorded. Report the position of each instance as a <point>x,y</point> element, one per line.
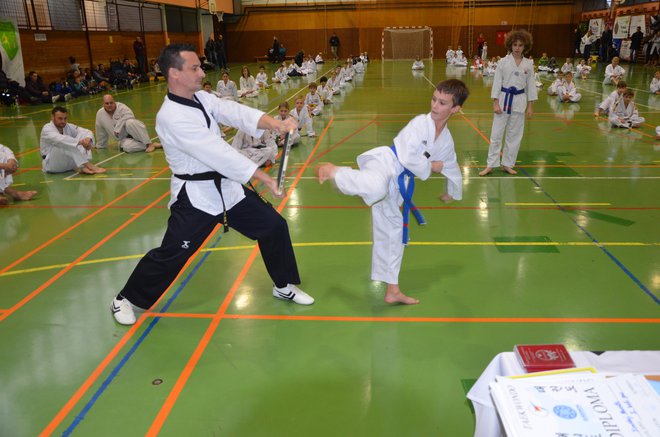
<point>567,251</point>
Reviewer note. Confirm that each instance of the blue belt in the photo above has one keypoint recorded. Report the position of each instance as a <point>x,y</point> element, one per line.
<point>508,98</point>
<point>407,193</point>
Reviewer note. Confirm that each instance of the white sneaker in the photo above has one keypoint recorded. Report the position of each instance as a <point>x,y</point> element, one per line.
<point>311,134</point>
<point>122,310</point>
<point>293,293</point>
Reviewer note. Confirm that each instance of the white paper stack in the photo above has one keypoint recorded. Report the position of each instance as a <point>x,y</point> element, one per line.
<point>577,405</point>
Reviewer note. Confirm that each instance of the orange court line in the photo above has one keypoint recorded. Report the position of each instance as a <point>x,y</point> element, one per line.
<point>413,319</point>
<point>333,147</point>
<point>74,226</point>
<point>18,155</point>
<point>172,397</point>
<point>476,128</point>
<point>71,265</point>
<point>66,409</point>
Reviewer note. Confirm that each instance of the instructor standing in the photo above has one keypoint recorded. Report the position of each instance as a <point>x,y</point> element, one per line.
<point>334,45</point>
<point>207,187</point>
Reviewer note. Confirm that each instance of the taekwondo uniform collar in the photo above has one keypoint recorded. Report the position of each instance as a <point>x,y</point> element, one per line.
<point>194,103</point>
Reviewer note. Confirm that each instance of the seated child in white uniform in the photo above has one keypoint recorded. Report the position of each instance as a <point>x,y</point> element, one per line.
<point>623,112</point>
<point>423,147</point>
<point>450,55</point>
<point>568,66</point>
<point>261,151</point>
<point>613,72</point>
<point>319,59</point>
<point>418,64</point>
<point>567,91</point>
<point>325,90</point>
<point>301,114</point>
<point>283,114</point>
<point>313,100</point>
<point>262,78</point>
<point>8,166</point>
<point>655,83</point>
<point>249,86</point>
<point>553,89</point>
<point>227,88</point>
<point>280,75</point>
<point>583,69</point>
<point>604,107</point>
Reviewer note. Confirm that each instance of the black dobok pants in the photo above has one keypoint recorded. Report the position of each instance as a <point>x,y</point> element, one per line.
<point>188,227</point>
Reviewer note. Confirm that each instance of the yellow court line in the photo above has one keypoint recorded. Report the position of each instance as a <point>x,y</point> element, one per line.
<point>359,243</point>
<point>553,203</point>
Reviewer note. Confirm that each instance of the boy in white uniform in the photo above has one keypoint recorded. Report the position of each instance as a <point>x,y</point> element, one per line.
<point>313,100</point>
<point>227,88</point>
<point>553,89</point>
<point>450,55</point>
<point>513,89</point>
<point>418,64</point>
<point>325,90</point>
<point>568,66</point>
<point>604,107</point>
<point>8,166</point>
<point>65,146</point>
<point>319,59</point>
<point>583,69</point>
<point>623,112</point>
<point>655,83</point>
<point>613,72</point>
<point>567,92</point>
<point>301,114</point>
<point>262,78</point>
<point>280,75</point>
<point>425,145</point>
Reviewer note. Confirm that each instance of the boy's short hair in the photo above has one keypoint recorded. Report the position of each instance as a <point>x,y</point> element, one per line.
<point>206,83</point>
<point>519,35</point>
<point>458,91</point>
<point>629,92</point>
<point>622,84</point>
<point>300,98</point>
<point>283,105</point>
<point>323,79</point>
<point>261,66</point>
<point>313,85</point>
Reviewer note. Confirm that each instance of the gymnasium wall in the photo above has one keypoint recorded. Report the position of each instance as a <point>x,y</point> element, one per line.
<point>359,28</point>
<point>50,58</point>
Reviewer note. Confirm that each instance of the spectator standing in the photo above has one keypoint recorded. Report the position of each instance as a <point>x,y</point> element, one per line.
<point>209,50</point>
<point>221,53</point>
<point>635,44</point>
<point>140,55</point>
<point>605,44</point>
<point>334,45</point>
<point>480,45</point>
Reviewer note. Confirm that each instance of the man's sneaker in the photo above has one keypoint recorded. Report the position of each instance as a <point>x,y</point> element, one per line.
<point>293,293</point>
<point>122,310</point>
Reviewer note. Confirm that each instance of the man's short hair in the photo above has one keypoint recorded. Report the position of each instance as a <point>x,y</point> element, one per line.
<point>458,91</point>
<point>59,109</point>
<point>170,57</point>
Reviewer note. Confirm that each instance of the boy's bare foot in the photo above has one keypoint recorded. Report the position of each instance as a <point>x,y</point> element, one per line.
<point>394,295</point>
<point>509,170</point>
<point>325,172</point>
<point>89,168</point>
<point>3,200</point>
<point>446,198</point>
<point>486,171</point>
<point>20,195</point>
<point>153,146</point>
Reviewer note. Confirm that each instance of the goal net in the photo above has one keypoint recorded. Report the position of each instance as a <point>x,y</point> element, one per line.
<point>407,43</point>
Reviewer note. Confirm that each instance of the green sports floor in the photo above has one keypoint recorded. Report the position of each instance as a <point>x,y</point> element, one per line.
<point>567,251</point>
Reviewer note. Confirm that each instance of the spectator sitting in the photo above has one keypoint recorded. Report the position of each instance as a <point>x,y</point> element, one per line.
<point>131,71</point>
<point>10,89</point>
<point>62,88</point>
<point>35,86</point>
<point>155,70</point>
<point>101,77</point>
<point>80,85</point>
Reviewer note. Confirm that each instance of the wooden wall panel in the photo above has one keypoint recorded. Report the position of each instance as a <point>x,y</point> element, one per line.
<point>244,46</point>
<point>50,58</point>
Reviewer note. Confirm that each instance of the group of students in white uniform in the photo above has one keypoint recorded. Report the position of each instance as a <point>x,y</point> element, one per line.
<point>263,150</point>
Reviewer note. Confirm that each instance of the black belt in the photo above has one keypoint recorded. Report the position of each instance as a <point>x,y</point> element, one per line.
<point>217,180</point>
